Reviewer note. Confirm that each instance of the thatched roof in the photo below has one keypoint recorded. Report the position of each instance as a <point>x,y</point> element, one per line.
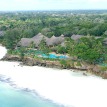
<point>25,42</point>
<point>62,35</point>
<point>39,36</point>
<point>55,40</point>
<point>76,37</point>
<point>63,44</point>
<point>37,39</point>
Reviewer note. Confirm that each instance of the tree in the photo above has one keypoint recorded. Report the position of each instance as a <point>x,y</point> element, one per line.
<point>61,49</point>
<point>22,52</point>
<point>11,38</point>
<point>88,49</point>
<point>69,45</point>
<point>43,47</point>
<point>32,45</point>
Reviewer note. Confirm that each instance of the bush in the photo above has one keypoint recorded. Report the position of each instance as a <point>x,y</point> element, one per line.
<point>78,64</point>
<point>10,51</point>
<point>65,63</point>
<point>103,68</point>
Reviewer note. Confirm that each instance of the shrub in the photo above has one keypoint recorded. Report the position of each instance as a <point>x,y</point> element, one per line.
<point>103,68</point>
<point>65,63</point>
<point>78,64</point>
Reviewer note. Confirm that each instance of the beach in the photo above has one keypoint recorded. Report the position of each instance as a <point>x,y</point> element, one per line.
<point>71,89</point>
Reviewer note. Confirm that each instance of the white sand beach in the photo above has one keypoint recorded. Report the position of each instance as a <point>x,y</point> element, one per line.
<point>69,88</point>
<point>3,51</point>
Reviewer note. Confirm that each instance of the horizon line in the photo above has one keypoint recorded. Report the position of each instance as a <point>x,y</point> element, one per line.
<point>52,10</point>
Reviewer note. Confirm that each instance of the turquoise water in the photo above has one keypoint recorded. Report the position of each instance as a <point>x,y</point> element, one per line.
<point>10,97</point>
<point>37,52</point>
<point>53,56</point>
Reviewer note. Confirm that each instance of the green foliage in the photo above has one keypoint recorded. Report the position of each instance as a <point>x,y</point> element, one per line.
<point>55,23</point>
<point>103,68</point>
<point>11,38</point>
<point>32,45</point>
<point>69,43</point>
<point>78,63</point>
<point>87,49</point>
<point>43,47</point>
<point>10,51</point>
<point>1,39</point>
<point>22,52</point>
<point>61,49</point>
<point>63,63</point>
<point>66,63</point>
<point>19,25</point>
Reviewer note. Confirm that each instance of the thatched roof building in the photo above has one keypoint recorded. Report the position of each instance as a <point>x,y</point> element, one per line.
<point>55,40</point>
<point>76,37</point>
<point>37,39</point>
<point>25,42</point>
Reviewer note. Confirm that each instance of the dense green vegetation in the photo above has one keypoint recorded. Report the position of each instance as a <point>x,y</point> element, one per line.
<point>88,49</point>
<point>55,23</point>
<point>17,25</point>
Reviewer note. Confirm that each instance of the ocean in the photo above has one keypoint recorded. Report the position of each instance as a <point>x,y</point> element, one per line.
<point>10,97</point>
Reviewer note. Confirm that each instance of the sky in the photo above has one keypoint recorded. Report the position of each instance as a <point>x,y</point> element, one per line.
<point>12,5</point>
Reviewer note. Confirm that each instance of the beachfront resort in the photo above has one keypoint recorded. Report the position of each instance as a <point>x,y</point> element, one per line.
<point>53,59</point>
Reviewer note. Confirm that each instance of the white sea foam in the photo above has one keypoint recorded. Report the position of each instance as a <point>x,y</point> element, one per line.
<point>61,86</point>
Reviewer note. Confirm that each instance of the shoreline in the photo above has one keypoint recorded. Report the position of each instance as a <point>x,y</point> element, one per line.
<point>58,85</point>
<point>9,77</point>
<point>86,69</point>
<point>8,81</point>
<point>53,84</point>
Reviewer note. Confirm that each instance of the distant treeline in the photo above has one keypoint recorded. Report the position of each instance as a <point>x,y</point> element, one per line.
<point>17,25</point>
<point>84,22</point>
